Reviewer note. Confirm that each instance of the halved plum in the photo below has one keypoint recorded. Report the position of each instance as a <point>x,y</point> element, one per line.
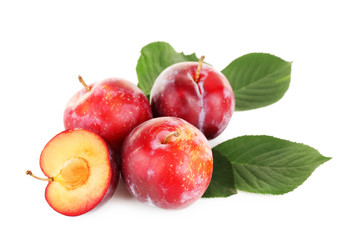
<point>82,171</point>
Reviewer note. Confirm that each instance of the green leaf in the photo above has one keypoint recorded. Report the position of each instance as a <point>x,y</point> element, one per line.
<point>222,183</point>
<point>264,164</point>
<point>258,80</point>
<point>155,57</point>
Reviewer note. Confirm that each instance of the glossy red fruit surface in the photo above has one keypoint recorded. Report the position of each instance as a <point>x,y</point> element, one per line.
<point>110,108</point>
<point>207,101</point>
<point>166,162</point>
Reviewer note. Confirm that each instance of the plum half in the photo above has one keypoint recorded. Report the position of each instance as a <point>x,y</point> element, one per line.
<point>81,171</point>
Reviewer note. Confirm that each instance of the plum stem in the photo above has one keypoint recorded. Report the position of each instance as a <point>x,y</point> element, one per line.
<point>197,74</point>
<point>168,137</point>
<point>28,172</point>
<point>83,83</point>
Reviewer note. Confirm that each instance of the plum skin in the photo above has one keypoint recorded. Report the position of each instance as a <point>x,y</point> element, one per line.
<point>208,104</point>
<point>168,175</point>
<point>112,108</point>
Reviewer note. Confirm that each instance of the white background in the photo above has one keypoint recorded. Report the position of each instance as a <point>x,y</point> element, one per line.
<point>45,45</point>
